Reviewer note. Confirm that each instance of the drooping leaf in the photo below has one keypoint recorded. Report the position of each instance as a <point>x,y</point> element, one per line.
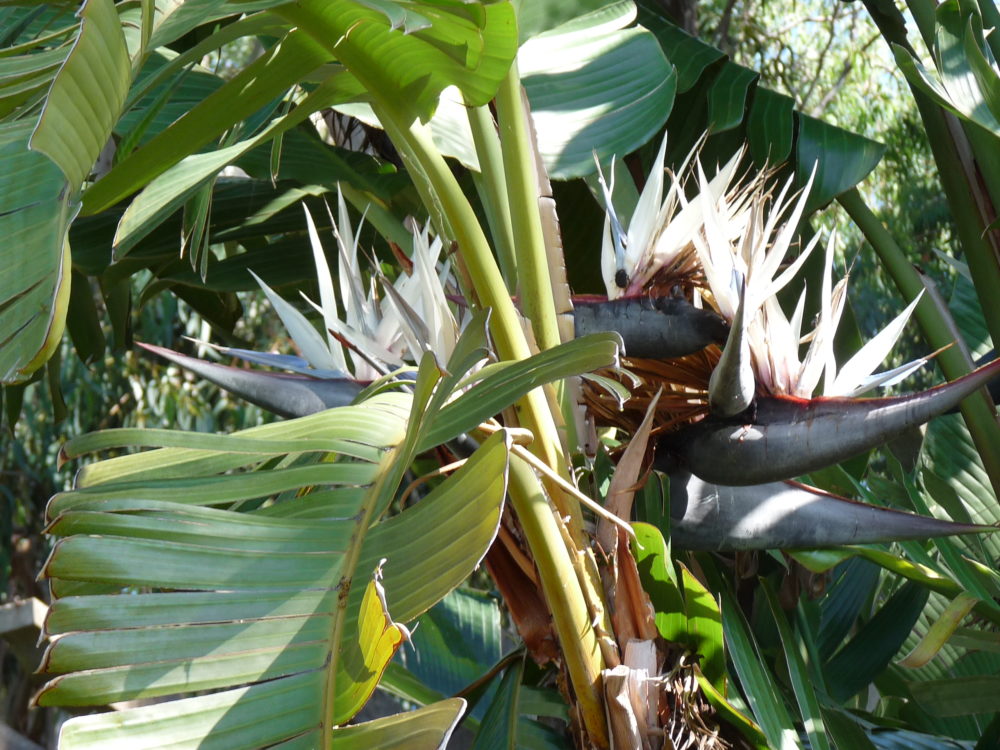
<point>259,597</point>
<point>83,102</point>
<point>467,45</point>
<point>87,94</point>
<point>35,293</point>
<point>595,99</point>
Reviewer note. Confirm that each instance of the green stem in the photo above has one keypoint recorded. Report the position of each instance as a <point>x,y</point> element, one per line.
<point>492,189</point>
<point>533,410</point>
<point>552,556</point>
<point>570,613</point>
<point>541,273</point>
<point>534,284</point>
<point>977,409</point>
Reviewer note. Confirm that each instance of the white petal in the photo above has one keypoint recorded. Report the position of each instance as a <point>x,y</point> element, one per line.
<point>327,293</point>
<point>306,337</point>
<point>889,377</point>
<point>642,226</point>
<point>870,356</point>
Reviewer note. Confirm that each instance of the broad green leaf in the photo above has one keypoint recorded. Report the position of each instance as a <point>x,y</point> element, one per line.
<point>537,16</point>
<point>727,97</point>
<point>704,628</point>
<point>499,728</point>
<point>871,649</point>
<point>659,581</point>
<point>163,195</point>
<point>455,642</point>
<point>967,80</point>
<point>842,159</point>
<point>852,586</point>
<point>258,597</point>
<point>83,321</point>
<point>35,291</point>
<point>959,696</point>
<point>269,76</point>
<point>87,94</point>
<point>174,20</point>
<point>690,55</point>
<point>770,127</point>
<point>427,728</point>
<point>467,45</point>
<point>759,686</point>
<point>595,98</point>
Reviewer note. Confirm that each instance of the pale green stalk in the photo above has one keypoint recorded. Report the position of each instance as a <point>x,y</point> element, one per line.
<point>976,409</point>
<point>563,593</point>
<point>492,192</point>
<point>538,273</point>
<point>570,613</point>
<point>534,284</point>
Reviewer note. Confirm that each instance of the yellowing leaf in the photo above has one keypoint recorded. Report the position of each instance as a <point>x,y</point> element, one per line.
<point>366,660</point>
<point>939,632</point>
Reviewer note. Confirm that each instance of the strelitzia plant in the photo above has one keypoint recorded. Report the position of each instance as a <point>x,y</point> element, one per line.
<point>369,333</point>
<point>756,421</point>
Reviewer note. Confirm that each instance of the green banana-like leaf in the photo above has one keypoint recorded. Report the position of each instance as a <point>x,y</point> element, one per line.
<point>411,52</point>
<point>427,728</point>
<point>595,99</point>
<point>499,728</point>
<point>587,94</point>
<point>163,195</point>
<point>455,643</point>
<point>239,590</point>
<point>289,61</point>
<point>85,97</point>
<point>967,79</point>
<point>723,96</point>
<point>34,294</point>
<point>866,654</point>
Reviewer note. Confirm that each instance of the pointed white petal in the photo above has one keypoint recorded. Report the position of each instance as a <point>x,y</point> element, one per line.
<point>870,356</point>
<point>889,377</point>
<point>306,337</point>
<point>642,226</point>
<point>327,294</point>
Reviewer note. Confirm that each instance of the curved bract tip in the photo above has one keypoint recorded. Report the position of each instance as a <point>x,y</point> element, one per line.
<point>790,437</point>
<point>788,515</point>
<point>280,393</point>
